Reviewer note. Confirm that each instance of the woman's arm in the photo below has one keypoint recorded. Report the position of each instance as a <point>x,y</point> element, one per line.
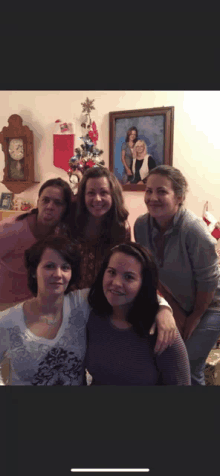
<point>166,329</point>
<point>179,314</point>
<point>173,364</point>
<point>4,360</point>
<point>5,371</point>
<point>9,236</point>
<point>128,171</point>
<point>165,322</point>
<point>203,299</point>
<point>201,249</point>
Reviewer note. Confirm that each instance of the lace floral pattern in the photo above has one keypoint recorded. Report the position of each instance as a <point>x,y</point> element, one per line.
<point>59,367</point>
<point>39,361</point>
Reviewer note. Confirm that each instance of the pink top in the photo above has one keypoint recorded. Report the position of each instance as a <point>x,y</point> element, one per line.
<point>15,238</point>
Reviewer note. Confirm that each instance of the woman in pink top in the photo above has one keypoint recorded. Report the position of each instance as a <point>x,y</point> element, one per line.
<point>18,234</point>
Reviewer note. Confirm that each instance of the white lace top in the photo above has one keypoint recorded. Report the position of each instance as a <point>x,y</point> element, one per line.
<point>39,361</point>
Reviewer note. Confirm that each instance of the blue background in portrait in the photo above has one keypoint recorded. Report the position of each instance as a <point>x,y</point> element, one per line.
<point>150,129</point>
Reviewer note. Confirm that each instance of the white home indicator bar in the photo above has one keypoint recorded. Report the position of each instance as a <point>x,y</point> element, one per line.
<point>112,470</point>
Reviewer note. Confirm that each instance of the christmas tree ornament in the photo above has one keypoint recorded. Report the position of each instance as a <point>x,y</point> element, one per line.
<point>87,155</point>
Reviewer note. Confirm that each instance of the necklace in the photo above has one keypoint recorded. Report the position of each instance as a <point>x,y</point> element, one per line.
<point>49,322</point>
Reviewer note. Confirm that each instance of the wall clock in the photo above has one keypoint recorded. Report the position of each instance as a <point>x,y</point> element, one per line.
<point>17,145</point>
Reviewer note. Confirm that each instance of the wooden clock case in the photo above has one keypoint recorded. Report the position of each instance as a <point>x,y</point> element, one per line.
<point>16,130</point>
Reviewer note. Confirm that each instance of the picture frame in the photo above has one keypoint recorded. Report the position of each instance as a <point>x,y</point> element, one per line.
<point>154,129</point>
<point>6,201</point>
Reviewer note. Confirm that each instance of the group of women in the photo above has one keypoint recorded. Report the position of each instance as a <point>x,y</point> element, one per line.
<point>87,297</point>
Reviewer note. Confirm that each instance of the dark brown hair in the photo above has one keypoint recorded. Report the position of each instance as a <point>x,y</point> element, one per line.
<point>129,133</point>
<point>145,305</point>
<point>67,195</point>
<point>113,228</point>
<point>66,248</point>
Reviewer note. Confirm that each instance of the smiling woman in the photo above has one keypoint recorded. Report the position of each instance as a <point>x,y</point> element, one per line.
<point>161,200</point>
<point>98,197</point>
<point>142,162</point>
<point>184,251</point>
<point>98,220</point>
<point>124,304</point>
<point>127,153</point>
<point>44,337</point>
<point>53,273</point>
<point>122,282</point>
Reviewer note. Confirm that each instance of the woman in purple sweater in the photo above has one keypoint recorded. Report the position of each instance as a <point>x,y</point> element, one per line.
<point>120,350</point>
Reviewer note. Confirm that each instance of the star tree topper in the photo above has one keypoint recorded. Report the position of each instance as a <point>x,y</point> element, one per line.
<point>87,106</point>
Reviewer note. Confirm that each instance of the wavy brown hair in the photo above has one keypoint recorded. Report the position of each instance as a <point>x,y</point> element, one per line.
<point>129,131</point>
<point>113,228</point>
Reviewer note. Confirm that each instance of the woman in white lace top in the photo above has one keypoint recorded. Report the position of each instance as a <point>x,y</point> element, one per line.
<point>42,340</point>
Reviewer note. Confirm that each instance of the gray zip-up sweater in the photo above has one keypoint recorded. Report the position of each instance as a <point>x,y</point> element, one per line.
<point>189,262</point>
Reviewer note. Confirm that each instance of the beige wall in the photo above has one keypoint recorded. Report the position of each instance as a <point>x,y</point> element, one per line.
<point>196,150</point>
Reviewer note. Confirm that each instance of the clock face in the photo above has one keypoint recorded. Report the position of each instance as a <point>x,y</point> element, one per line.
<point>16,149</point>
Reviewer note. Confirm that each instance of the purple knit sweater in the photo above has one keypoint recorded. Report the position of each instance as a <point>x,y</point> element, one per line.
<point>120,357</point>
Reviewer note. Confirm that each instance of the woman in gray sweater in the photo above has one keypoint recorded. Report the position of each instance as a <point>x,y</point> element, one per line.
<point>185,254</point>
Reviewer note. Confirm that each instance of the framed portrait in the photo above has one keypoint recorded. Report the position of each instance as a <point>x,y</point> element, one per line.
<point>6,201</point>
<point>139,140</point>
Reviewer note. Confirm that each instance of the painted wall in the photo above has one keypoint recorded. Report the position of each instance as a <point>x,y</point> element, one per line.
<point>196,149</point>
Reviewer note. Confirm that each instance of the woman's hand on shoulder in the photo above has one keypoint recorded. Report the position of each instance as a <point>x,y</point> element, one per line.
<point>166,329</point>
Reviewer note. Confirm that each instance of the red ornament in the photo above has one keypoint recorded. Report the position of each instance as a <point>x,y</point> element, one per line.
<point>90,163</point>
<point>94,133</point>
<point>80,166</point>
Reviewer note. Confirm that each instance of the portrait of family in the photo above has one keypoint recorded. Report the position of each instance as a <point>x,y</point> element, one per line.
<point>138,147</point>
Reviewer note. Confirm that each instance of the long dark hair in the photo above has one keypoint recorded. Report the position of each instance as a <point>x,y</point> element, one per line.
<point>67,195</point>
<point>66,248</point>
<point>145,305</point>
<point>129,133</point>
<point>113,227</point>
